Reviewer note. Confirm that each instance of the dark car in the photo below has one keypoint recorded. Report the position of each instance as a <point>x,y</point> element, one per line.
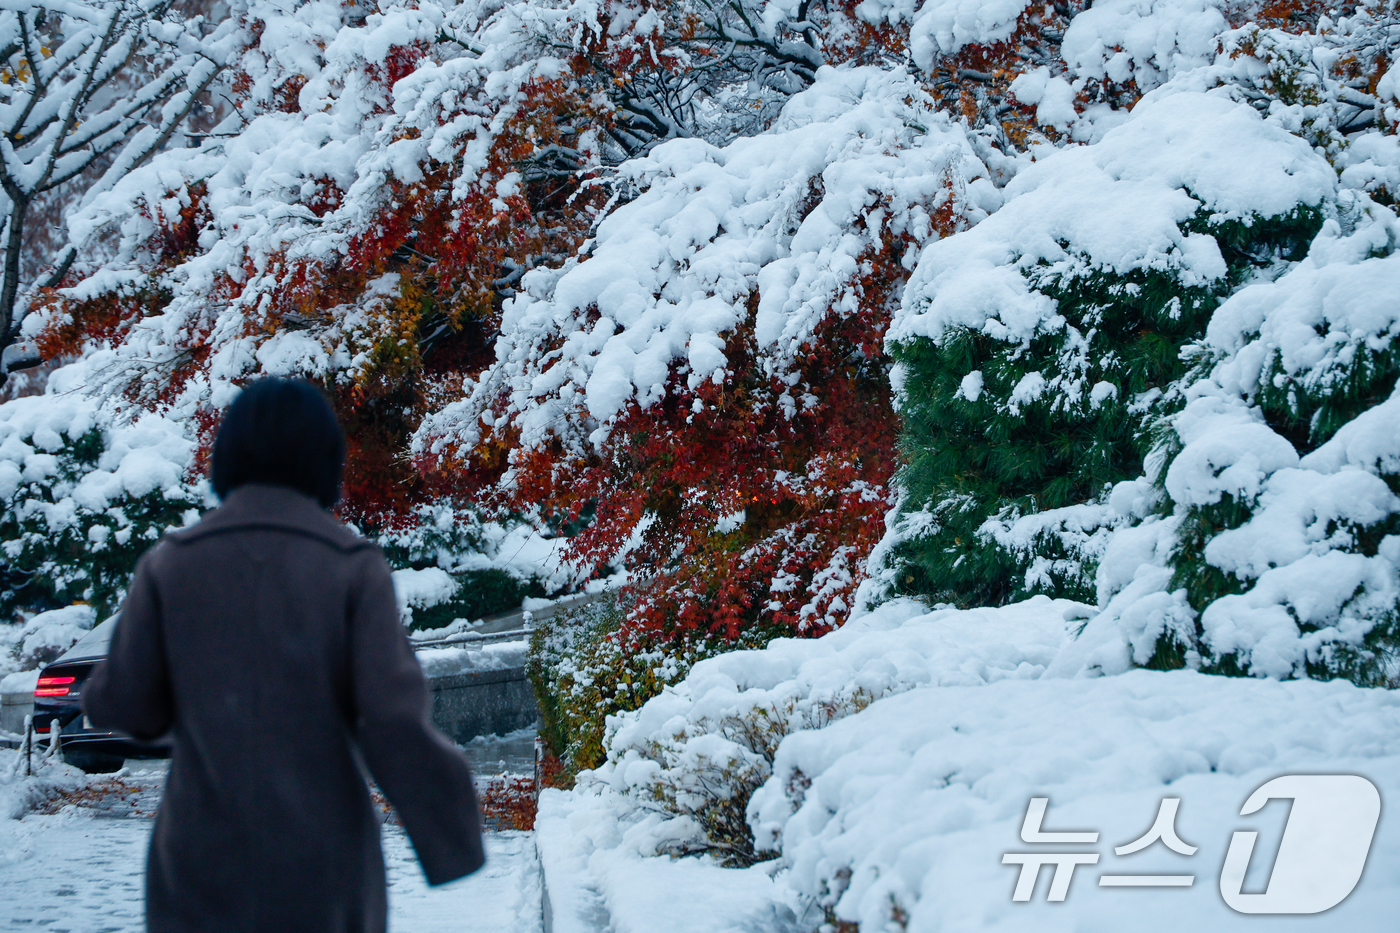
<point>59,696</point>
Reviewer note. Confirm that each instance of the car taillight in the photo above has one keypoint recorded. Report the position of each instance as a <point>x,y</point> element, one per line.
<point>53,686</point>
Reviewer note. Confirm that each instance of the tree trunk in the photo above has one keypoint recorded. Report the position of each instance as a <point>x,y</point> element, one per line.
<point>9,289</point>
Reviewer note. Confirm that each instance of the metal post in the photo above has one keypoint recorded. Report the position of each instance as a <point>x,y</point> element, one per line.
<point>29,745</point>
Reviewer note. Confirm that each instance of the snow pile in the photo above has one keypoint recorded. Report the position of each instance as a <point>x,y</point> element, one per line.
<point>897,815</point>
<point>20,792</point>
<point>787,214</point>
<point>905,810</point>
<point>19,682</point>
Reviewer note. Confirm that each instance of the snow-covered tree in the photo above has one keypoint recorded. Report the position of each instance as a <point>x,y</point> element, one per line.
<point>70,100</point>
<point>1101,402</point>
<point>710,374</point>
<point>1036,349</point>
<point>634,265</point>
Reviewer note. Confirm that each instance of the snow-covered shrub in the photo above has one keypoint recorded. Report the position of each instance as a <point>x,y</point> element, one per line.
<point>432,598</point>
<point>700,777</point>
<point>46,635</point>
<point>1036,350</point>
<point>586,665</point>
<point>897,815</point>
<point>82,494</point>
<point>686,763</point>
<point>450,564</point>
<point>1228,503</point>
<point>897,818</point>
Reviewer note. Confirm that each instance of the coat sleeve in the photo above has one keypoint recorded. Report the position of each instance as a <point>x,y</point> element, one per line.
<point>130,691</point>
<point>424,776</point>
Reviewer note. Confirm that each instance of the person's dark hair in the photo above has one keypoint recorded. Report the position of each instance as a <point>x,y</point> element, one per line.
<point>280,432</point>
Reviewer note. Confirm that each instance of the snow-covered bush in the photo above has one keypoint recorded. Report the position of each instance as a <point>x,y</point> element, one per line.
<point>83,492</point>
<point>431,598</point>
<point>585,665</point>
<point>896,815</point>
<point>1036,350</point>
<point>46,635</point>
<point>451,565</point>
<point>570,688</point>
<point>1124,386</point>
<point>686,762</point>
<point>897,818</point>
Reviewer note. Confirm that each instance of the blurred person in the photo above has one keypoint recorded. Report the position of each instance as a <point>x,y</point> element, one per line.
<point>265,640</point>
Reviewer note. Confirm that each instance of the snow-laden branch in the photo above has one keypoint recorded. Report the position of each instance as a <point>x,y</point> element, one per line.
<point>71,97</point>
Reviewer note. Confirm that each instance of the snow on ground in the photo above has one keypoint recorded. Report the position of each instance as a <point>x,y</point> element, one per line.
<point>81,869</point>
<point>503,896</point>
<point>897,814</point>
<point>85,874</point>
<point>594,887</point>
<point>75,873</point>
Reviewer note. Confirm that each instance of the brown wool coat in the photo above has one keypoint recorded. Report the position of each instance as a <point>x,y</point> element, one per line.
<point>266,641</point>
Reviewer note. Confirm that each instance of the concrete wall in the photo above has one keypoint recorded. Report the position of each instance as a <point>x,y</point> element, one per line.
<point>13,708</point>
<point>486,703</point>
<point>464,705</point>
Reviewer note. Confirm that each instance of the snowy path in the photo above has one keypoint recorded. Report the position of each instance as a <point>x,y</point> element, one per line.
<point>75,873</point>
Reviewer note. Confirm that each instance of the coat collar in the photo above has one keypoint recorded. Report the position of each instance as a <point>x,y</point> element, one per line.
<point>273,507</point>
